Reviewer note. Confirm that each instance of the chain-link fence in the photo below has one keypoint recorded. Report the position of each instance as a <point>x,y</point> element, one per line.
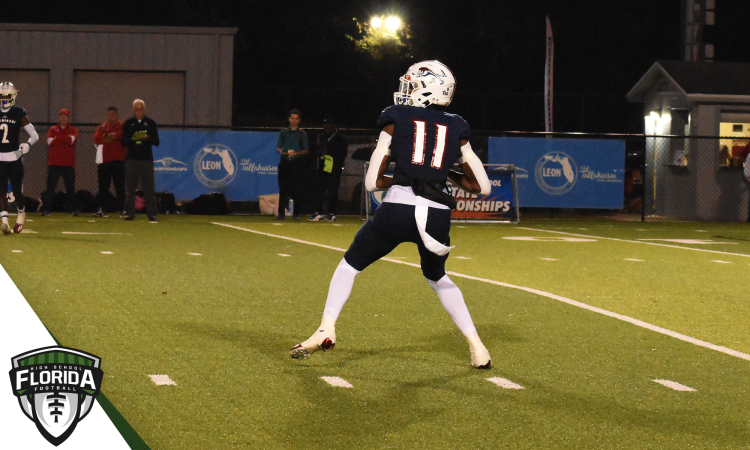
<point>666,177</point>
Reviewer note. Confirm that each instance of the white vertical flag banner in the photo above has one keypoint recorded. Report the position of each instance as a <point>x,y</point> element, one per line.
<point>548,79</point>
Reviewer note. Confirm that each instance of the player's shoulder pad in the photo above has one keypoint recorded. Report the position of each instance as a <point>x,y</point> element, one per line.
<point>388,116</point>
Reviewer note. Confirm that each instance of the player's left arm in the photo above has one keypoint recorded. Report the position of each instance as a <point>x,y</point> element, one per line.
<point>33,136</point>
<point>474,179</point>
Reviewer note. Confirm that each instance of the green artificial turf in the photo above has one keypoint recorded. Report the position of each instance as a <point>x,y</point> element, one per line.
<point>221,324</point>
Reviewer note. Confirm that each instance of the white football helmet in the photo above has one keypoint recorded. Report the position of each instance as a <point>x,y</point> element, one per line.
<point>8,94</point>
<point>426,83</point>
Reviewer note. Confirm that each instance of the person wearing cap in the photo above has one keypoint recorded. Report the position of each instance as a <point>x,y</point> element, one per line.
<point>61,162</point>
<point>333,148</point>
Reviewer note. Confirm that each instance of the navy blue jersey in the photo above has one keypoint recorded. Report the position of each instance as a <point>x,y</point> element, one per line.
<point>10,128</point>
<point>426,142</point>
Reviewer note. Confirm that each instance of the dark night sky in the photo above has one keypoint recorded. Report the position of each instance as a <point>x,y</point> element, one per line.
<point>296,54</point>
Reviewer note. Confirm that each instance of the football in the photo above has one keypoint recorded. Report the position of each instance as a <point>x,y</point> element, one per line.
<point>17,228</point>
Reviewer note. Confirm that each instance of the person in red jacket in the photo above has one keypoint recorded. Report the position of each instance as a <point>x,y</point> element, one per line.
<point>61,162</point>
<point>110,157</point>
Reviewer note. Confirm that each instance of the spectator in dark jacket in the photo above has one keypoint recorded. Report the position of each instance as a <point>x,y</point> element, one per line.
<point>333,148</point>
<point>140,135</point>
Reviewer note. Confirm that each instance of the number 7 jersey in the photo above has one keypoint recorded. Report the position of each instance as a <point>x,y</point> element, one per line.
<point>425,143</point>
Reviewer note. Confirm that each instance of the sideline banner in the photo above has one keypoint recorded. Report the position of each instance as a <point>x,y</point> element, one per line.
<point>240,164</point>
<point>564,173</point>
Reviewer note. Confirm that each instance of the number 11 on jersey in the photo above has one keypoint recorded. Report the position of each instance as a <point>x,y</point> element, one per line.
<point>420,142</point>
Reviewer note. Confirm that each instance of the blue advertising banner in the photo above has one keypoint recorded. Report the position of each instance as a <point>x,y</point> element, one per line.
<point>564,173</point>
<point>240,164</point>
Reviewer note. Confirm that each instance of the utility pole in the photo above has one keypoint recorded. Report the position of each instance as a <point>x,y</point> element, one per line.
<point>698,19</point>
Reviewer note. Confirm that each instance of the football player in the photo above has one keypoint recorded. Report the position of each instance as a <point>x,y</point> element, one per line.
<point>424,142</point>
<point>12,119</point>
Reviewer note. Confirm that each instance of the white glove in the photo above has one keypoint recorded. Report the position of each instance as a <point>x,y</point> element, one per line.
<point>24,148</point>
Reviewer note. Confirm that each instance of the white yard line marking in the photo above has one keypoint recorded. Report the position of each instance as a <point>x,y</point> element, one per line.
<point>283,254</point>
<point>504,383</point>
<point>107,253</point>
<point>81,232</point>
<point>639,242</point>
<point>29,231</point>
<point>277,224</point>
<point>631,259</point>
<point>547,239</point>
<point>195,254</point>
<point>548,259</point>
<point>458,226</point>
<point>92,221</point>
<point>461,257</point>
<point>336,381</point>
<point>571,302</point>
<point>16,251</point>
<point>162,380</point>
<point>721,262</point>
<point>690,241</point>
<point>675,385</point>
<point>337,225</point>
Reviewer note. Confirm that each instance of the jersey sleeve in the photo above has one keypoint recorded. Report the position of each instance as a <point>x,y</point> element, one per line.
<point>464,132</point>
<point>22,112</point>
<point>387,117</point>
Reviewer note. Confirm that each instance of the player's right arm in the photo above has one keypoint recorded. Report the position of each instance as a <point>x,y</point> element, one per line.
<point>474,179</point>
<point>33,136</point>
<point>375,180</point>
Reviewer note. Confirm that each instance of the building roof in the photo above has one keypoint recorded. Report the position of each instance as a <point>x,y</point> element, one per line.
<point>115,29</point>
<point>698,81</point>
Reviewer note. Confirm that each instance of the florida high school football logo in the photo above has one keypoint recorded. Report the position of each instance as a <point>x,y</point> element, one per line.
<point>56,387</point>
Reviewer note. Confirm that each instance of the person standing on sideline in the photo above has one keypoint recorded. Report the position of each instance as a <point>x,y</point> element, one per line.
<point>61,162</point>
<point>110,160</point>
<point>292,145</point>
<point>12,119</point>
<point>140,135</point>
<point>424,142</point>
<point>334,147</point>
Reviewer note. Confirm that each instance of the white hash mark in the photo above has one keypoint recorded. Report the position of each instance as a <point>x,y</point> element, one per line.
<point>631,259</point>
<point>16,251</point>
<point>195,254</point>
<point>161,380</point>
<point>336,381</point>
<point>505,383</point>
<point>548,259</point>
<point>107,253</point>
<point>675,385</point>
<point>721,262</point>
<point>462,257</point>
<point>283,254</point>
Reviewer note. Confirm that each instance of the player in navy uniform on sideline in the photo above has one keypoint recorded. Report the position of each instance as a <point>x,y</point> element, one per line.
<point>12,119</point>
<point>424,142</point>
